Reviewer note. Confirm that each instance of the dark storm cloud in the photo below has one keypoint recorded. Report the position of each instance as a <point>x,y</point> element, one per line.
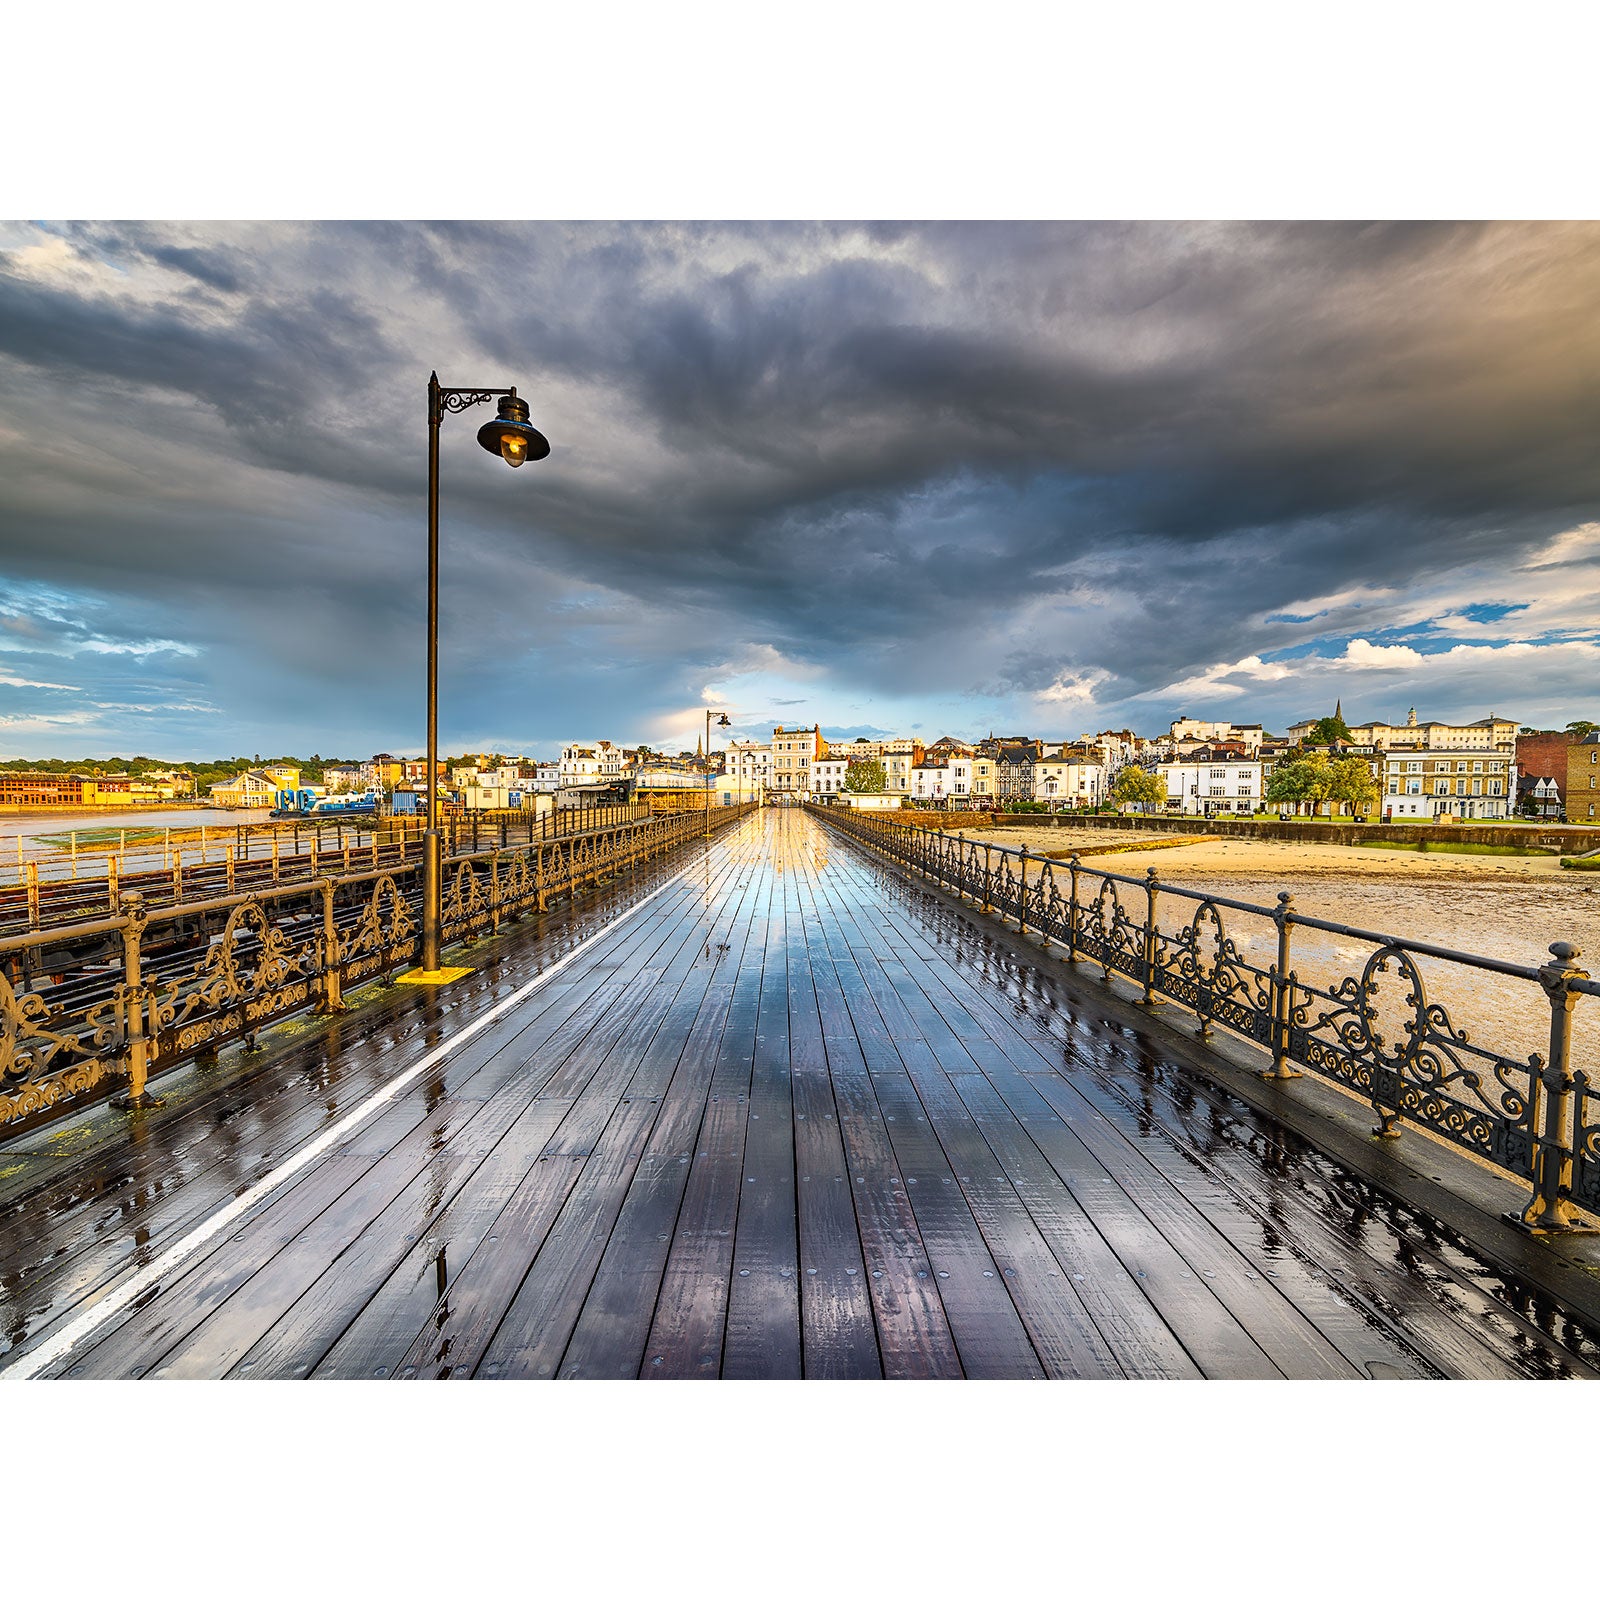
<point>1054,449</point>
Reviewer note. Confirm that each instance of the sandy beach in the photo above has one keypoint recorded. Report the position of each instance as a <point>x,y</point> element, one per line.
<point>1287,859</point>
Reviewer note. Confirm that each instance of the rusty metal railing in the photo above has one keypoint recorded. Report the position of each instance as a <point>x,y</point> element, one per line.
<point>1537,1118</point>
<point>157,986</point>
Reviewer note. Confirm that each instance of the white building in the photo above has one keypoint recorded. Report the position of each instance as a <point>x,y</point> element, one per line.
<point>1187,729</point>
<point>1068,781</point>
<point>931,782</point>
<point>598,761</point>
<point>1205,785</point>
<point>1487,733</point>
<point>747,767</point>
<point>1466,783</point>
<point>897,767</point>
<point>973,778</point>
<point>345,780</point>
<point>828,774</point>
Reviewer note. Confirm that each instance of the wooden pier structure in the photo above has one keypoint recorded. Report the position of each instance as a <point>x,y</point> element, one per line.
<point>767,1111</point>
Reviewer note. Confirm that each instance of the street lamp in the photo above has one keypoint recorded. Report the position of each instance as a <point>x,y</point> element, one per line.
<point>722,722</point>
<point>515,440</point>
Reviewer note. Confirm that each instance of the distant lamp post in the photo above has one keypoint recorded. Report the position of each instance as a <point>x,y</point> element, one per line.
<point>515,440</point>
<point>722,722</point>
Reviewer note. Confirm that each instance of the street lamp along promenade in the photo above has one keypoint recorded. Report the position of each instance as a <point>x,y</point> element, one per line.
<point>722,722</point>
<point>515,440</point>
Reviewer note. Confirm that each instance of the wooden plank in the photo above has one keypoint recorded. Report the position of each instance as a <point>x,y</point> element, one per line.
<point>363,1330</point>
<point>502,1138</point>
<point>914,1336</point>
<point>1379,1311</point>
<point>614,1324</point>
<point>838,1336</point>
<point>533,1334</point>
<point>988,1331</point>
<point>189,1164</point>
<point>1350,1330</point>
<point>251,1311</point>
<point>490,1281</point>
<point>762,1339</point>
<point>686,1330</point>
<point>1057,1319</point>
<point>213,1335</point>
<point>131,1343</point>
<point>1209,1264</point>
<point>1098,1230</point>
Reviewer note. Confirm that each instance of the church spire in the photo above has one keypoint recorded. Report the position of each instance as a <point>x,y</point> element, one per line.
<point>1338,710</point>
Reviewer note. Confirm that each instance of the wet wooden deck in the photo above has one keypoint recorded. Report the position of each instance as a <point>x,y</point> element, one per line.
<point>790,1118</point>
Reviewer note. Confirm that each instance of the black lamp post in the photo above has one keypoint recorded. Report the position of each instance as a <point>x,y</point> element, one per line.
<point>511,437</point>
<point>722,722</point>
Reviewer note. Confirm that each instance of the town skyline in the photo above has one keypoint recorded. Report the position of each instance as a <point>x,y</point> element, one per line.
<point>891,477</point>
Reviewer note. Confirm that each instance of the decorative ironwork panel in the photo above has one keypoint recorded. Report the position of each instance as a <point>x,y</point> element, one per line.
<point>1585,1142</point>
<point>1200,967</point>
<point>1379,1033</point>
<point>255,972</point>
<point>272,957</point>
<point>53,1050</point>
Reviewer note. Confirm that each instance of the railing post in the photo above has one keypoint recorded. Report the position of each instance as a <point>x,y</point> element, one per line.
<point>988,878</point>
<point>1074,868</point>
<point>274,856</point>
<point>33,896</point>
<point>1022,890</point>
<point>1282,990</point>
<point>135,1043</point>
<point>332,1000</point>
<point>1550,1210</point>
<point>229,849</point>
<point>112,888</point>
<point>1152,887</point>
<point>494,891</point>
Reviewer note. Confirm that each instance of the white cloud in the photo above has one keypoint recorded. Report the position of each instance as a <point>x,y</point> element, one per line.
<point>1214,684</point>
<point>137,647</point>
<point>1359,653</point>
<point>33,683</point>
<point>1576,544</point>
<point>1073,688</point>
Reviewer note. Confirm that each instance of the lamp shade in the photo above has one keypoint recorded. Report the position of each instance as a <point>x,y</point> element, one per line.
<point>511,436</point>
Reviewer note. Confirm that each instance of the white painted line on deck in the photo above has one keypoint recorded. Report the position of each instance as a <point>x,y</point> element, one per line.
<point>102,1311</point>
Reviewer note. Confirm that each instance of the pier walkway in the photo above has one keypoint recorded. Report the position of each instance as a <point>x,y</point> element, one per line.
<point>780,1114</point>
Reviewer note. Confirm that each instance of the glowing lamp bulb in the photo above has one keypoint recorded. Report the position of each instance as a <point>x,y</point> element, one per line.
<point>513,449</point>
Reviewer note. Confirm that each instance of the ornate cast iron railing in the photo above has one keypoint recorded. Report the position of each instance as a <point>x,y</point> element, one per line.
<point>157,986</point>
<point>1374,1030</point>
<point>250,856</point>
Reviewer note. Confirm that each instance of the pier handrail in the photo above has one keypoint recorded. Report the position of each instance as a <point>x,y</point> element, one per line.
<point>154,986</point>
<point>1536,1118</point>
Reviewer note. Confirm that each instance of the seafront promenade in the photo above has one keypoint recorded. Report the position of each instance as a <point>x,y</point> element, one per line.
<point>765,1109</point>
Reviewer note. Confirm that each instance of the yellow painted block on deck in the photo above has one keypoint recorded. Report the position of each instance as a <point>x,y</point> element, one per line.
<point>443,975</point>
